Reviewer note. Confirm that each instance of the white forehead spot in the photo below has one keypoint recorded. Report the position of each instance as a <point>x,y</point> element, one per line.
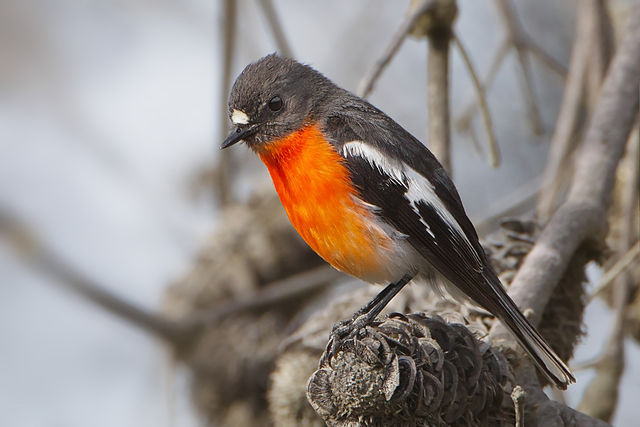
<point>239,117</point>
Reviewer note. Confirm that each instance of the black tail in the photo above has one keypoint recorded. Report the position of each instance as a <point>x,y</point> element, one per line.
<point>528,337</point>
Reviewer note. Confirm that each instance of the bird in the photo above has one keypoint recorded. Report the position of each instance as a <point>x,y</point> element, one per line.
<point>367,196</point>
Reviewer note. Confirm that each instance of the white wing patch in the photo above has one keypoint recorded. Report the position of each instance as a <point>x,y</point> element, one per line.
<point>391,167</point>
<point>239,117</point>
<point>419,189</point>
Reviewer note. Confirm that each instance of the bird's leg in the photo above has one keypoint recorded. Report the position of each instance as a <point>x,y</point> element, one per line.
<point>370,311</point>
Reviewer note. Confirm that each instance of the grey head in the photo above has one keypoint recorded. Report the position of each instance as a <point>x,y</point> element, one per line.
<point>272,98</point>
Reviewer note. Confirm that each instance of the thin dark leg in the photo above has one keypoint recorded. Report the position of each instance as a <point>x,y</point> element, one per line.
<point>380,301</point>
<point>370,311</point>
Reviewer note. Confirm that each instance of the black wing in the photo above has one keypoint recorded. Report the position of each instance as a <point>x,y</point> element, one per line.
<point>441,233</point>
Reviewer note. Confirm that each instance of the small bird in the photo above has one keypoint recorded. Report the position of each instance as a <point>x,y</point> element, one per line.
<point>366,195</point>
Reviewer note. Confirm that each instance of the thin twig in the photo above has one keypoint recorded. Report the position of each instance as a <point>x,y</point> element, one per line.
<point>175,331</point>
<point>544,56</point>
<point>601,396</point>
<point>530,95</point>
<point>228,46</point>
<point>517,396</point>
<point>271,16</point>
<point>463,122</point>
<point>565,136</point>
<point>32,250</point>
<point>512,40</point>
<point>494,151</point>
<point>368,81</point>
<point>616,269</point>
<point>439,127</point>
<point>586,364</point>
<point>278,292</point>
<point>517,38</point>
<point>601,49</point>
<point>519,202</point>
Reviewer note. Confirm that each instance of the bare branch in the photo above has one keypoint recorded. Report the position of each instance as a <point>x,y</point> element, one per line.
<point>601,396</point>
<point>618,268</point>
<point>601,49</point>
<point>520,201</point>
<point>517,38</point>
<point>228,47</point>
<point>494,152</point>
<point>49,264</point>
<point>280,292</point>
<point>175,331</point>
<point>439,127</point>
<point>368,81</point>
<point>564,137</point>
<point>544,57</point>
<point>437,27</point>
<point>271,16</point>
<point>464,120</point>
<point>518,396</point>
<point>583,216</point>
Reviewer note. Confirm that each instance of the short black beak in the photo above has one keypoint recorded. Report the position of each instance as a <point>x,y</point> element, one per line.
<point>237,135</point>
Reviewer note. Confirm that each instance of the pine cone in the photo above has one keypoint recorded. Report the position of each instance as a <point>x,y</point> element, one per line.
<point>411,370</point>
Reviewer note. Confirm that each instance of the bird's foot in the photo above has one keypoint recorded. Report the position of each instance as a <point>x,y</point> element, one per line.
<point>349,328</point>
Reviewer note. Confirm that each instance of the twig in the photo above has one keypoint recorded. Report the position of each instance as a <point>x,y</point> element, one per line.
<point>520,201</point>
<point>278,292</point>
<point>583,215</point>
<point>45,261</point>
<point>627,243</point>
<point>175,331</point>
<point>564,137</point>
<point>543,56</point>
<point>437,27</point>
<point>601,396</point>
<point>276,29</point>
<point>494,152</point>
<point>439,127</point>
<point>521,41</point>
<point>367,82</point>
<point>228,47</point>
<point>516,35</point>
<point>601,49</point>
<point>586,364</point>
<point>530,95</point>
<point>616,269</point>
<point>545,412</point>
<point>464,120</point>
<point>517,396</point>
<point>516,38</point>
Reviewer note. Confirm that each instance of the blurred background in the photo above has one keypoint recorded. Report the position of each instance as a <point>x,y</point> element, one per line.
<point>111,115</point>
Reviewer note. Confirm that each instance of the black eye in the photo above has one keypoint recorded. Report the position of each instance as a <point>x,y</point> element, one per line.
<point>275,104</point>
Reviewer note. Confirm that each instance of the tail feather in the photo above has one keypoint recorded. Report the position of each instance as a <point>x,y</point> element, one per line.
<point>530,339</point>
<point>532,342</point>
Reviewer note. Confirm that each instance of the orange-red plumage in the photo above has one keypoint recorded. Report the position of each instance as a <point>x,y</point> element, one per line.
<point>316,192</point>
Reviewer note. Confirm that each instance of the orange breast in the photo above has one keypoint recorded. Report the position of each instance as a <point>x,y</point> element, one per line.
<point>316,192</point>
